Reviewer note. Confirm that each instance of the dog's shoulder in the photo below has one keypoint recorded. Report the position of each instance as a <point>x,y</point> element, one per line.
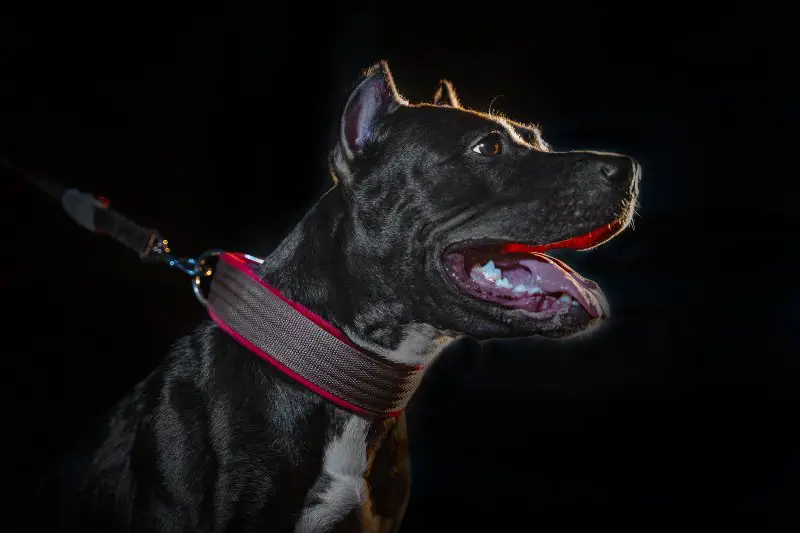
<point>211,436</point>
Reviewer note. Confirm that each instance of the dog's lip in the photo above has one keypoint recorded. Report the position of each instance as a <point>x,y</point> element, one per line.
<point>553,278</point>
<point>592,301</point>
<point>585,241</point>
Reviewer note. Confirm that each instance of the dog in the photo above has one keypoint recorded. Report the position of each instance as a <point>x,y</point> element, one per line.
<point>434,229</point>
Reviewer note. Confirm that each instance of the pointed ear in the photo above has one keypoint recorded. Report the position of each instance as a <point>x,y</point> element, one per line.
<point>446,95</point>
<point>371,102</point>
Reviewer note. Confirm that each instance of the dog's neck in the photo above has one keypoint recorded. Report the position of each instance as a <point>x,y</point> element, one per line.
<point>310,266</point>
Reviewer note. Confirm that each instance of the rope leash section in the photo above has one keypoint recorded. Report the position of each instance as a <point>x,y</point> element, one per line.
<point>94,213</point>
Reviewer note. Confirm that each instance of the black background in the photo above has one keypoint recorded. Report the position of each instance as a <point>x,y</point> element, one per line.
<point>215,128</point>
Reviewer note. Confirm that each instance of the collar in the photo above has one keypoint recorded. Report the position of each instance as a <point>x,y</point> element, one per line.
<point>303,345</point>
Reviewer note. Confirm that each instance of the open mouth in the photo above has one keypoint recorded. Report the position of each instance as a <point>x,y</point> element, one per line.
<point>520,276</point>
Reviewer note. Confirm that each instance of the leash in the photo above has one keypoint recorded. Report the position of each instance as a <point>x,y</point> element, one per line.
<point>94,213</point>
<point>299,343</point>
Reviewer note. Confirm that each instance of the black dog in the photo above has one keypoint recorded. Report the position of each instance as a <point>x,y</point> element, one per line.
<point>434,230</point>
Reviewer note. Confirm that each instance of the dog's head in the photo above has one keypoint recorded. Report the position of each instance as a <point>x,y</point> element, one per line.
<point>454,208</point>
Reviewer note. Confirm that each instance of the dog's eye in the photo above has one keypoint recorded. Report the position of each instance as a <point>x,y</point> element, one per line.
<point>489,145</point>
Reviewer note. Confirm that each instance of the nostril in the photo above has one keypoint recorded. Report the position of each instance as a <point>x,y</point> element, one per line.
<point>607,170</point>
<point>618,169</point>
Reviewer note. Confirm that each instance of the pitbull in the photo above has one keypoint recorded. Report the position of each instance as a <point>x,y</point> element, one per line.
<point>435,228</point>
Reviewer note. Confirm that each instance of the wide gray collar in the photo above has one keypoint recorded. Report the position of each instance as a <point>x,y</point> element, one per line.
<point>303,345</point>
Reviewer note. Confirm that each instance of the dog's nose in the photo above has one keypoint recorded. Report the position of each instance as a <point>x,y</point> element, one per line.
<point>617,168</point>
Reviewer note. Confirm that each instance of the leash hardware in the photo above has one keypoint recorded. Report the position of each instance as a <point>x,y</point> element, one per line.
<point>159,250</point>
<point>197,268</point>
<point>203,270</point>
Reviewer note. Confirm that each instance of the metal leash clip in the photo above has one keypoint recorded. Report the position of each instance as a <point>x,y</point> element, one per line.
<point>205,270</point>
<point>198,268</point>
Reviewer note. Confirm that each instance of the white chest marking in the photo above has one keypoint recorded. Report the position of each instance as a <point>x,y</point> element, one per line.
<point>344,487</point>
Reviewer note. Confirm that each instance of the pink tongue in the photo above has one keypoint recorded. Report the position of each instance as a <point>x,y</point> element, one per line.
<point>554,276</point>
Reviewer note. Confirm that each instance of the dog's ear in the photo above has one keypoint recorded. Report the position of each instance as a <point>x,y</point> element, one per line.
<point>371,102</point>
<point>446,95</point>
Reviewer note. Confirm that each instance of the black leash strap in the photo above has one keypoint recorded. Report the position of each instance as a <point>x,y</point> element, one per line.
<point>94,214</point>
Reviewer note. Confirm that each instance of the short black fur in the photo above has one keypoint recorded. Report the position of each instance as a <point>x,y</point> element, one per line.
<point>216,440</point>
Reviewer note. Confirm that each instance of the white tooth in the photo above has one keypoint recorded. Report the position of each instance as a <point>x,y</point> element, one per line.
<point>490,271</point>
<point>565,298</point>
<point>504,283</point>
<point>520,288</point>
<point>574,302</point>
<point>489,267</point>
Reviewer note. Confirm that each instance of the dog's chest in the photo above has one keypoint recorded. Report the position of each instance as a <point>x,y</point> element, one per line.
<point>363,485</point>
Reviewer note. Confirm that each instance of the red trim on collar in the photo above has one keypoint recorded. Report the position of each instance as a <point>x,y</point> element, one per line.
<point>240,262</point>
